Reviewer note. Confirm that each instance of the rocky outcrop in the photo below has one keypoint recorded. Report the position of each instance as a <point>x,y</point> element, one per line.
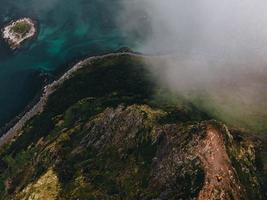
<point>125,152</point>
<point>102,137</point>
<point>19,31</point>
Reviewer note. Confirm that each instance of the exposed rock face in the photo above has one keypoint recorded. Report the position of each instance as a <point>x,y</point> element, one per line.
<point>19,31</point>
<point>221,181</point>
<point>116,143</point>
<point>125,153</point>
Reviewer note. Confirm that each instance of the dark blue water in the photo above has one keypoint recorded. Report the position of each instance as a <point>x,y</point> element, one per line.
<point>68,30</point>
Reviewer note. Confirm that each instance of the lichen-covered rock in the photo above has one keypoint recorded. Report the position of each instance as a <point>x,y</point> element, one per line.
<point>125,152</point>
<point>46,187</point>
<point>117,143</point>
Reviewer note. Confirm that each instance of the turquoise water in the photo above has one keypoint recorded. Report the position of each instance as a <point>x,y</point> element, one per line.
<point>68,30</point>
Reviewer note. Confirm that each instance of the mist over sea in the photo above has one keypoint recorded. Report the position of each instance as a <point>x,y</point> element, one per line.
<point>216,50</point>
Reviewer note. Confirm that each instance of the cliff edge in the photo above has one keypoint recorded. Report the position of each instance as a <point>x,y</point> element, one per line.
<point>110,132</point>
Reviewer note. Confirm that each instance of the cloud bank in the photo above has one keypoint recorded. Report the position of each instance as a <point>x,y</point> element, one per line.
<point>217,52</point>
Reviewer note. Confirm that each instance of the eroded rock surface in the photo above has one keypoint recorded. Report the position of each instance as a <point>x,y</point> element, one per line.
<point>100,137</point>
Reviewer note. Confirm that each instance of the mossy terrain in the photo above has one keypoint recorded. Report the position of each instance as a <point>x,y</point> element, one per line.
<point>21,28</point>
<point>110,132</point>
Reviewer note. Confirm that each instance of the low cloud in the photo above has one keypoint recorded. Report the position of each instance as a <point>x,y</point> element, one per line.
<point>216,52</point>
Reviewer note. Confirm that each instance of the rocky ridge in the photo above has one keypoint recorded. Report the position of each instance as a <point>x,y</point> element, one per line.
<point>102,136</point>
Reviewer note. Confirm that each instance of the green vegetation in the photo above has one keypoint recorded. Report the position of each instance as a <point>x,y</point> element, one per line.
<point>21,28</point>
<point>109,132</point>
<point>231,110</point>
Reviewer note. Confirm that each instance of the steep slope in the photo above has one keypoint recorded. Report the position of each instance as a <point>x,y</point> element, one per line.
<point>109,132</point>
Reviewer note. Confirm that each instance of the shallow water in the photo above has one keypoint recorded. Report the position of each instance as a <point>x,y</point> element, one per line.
<point>68,30</point>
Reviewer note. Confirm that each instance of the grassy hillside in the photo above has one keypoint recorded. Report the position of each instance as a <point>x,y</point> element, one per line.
<point>110,132</point>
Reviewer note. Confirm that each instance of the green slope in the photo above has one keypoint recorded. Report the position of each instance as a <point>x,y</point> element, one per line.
<point>110,132</point>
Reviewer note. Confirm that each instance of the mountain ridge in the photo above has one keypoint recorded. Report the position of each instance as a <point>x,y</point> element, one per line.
<point>101,135</point>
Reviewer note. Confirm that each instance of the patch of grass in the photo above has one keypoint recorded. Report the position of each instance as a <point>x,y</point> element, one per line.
<point>59,138</point>
<point>21,28</point>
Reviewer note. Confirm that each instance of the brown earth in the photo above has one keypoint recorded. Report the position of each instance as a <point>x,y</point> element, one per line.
<point>220,177</point>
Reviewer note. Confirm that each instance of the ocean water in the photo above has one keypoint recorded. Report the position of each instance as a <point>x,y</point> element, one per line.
<point>68,30</point>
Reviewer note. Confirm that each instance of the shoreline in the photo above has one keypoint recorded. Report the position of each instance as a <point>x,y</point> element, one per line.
<point>38,103</point>
<point>15,40</point>
<point>48,79</point>
<point>45,80</point>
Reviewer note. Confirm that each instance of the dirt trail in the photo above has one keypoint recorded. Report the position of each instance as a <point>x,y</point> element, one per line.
<point>220,181</point>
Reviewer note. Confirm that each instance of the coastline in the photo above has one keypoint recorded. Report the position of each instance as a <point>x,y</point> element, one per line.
<point>45,79</point>
<point>15,40</point>
<point>40,100</point>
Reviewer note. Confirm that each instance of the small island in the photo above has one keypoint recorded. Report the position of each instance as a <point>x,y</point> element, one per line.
<point>18,32</point>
